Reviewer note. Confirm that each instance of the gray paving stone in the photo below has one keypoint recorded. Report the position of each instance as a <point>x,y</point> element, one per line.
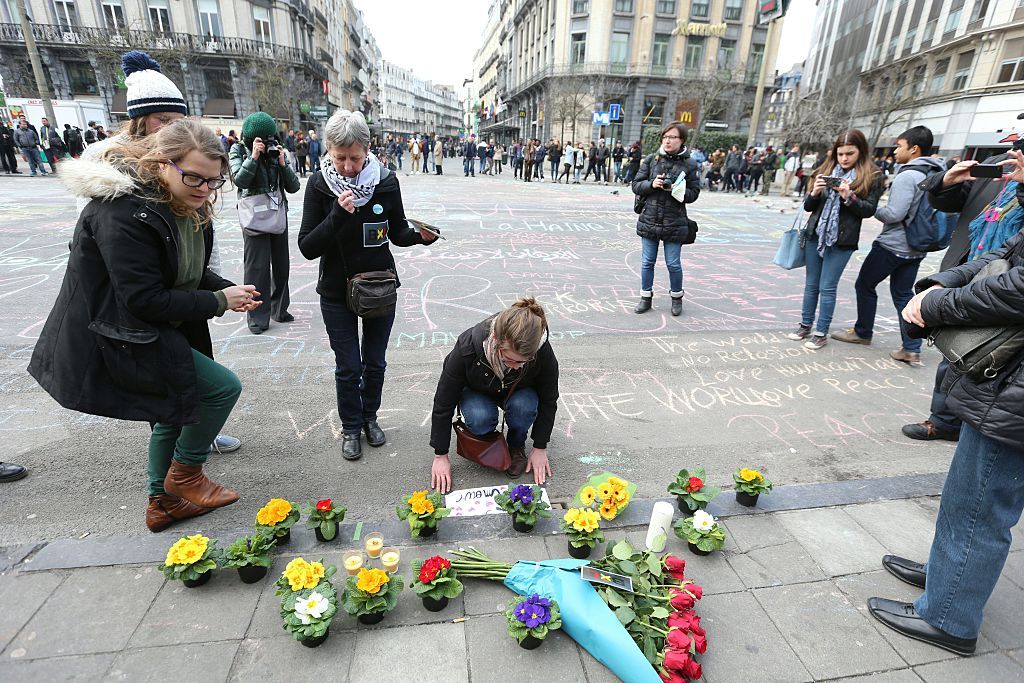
<point>903,527</point>
<point>757,531</point>
<point>111,601</point>
<point>1014,569</point>
<point>11,555</point>
<point>859,587</point>
<point>1017,655</point>
<point>991,667</point>
<point>1003,621</point>
<point>493,654</point>
<point>21,596</point>
<point>742,639</point>
<point>1017,542</point>
<point>194,661</point>
<point>826,631</point>
<point>595,671</point>
<point>487,597</point>
<point>775,565</point>
<point>284,659</point>
<point>897,676</point>
<point>428,653</point>
<point>219,610</point>
<point>81,668</point>
<point>834,540</point>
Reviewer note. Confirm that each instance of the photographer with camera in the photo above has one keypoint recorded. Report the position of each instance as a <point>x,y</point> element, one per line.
<point>260,170</point>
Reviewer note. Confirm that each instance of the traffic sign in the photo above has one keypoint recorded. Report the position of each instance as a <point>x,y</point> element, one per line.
<point>318,112</point>
<point>304,106</point>
<point>615,112</point>
<point>601,118</point>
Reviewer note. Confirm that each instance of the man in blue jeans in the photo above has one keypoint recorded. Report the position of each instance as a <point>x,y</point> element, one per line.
<point>469,156</point>
<point>983,496</point>
<point>891,256</point>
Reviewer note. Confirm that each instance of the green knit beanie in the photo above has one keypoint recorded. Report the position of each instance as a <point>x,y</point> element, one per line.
<point>258,125</point>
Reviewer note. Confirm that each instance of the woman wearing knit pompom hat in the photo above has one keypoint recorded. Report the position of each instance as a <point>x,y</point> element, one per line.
<point>256,170</point>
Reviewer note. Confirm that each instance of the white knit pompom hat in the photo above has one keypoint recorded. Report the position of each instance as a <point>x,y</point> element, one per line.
<point>149,91</point>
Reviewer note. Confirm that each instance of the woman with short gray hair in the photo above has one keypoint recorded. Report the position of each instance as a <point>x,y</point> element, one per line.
<point>351,215</point>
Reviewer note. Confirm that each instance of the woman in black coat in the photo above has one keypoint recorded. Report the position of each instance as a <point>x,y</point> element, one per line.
<point>351,215</point>
<point>127,337</point>
<point>505,361</point>
<point>663,218</point>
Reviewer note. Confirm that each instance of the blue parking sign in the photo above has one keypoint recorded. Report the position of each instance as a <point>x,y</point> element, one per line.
<point>615,112</point>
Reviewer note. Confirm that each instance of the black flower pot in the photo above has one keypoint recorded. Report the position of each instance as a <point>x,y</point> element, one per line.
<point>316,642</point>
<point>427,531</point>
<point>581,552</point>
<point>320,534</point>
<point>251,573</point>
<point>370,619</point>
<point>284,539</point>
<point>522,526</point>
<point>683,507</point>
<point>697,551</point>
<point>530,643</point>
<point>746,499</point>
<point>433,605</point>
<point>195,583</point>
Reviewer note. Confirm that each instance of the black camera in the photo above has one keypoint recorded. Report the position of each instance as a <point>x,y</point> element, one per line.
<point>273,147</point>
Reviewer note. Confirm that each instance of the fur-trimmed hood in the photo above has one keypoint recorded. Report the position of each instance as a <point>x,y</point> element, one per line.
<point>91,179</point>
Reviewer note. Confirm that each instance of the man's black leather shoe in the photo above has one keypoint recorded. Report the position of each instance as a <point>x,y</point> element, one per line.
<point>11,472</point>
<point>905,570</point>
<point>903,618</point>
<point>351,446</point>
<point>374,434</point>
<point>927,431</point>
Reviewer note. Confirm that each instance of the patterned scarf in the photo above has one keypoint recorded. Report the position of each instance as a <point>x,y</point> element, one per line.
<point>492,355</point>
<point>362,186</point>
<point>828,223</point>
<point>1001,220</point>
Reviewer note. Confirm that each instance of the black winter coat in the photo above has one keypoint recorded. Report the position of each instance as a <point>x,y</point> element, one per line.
<point>664,218</point>
<point>850,215</point>
<point>994,407</point>
<point>466,367</point>
<point>108,347</point>
<point>364,236</point>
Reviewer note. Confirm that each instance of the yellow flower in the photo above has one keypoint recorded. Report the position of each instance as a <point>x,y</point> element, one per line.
<point>371,580</point>
<point>587,521</point>
<point>588,495</point>
<point>608,510</point>
<point>187,550</point>
<point>273,512</point>
<point>420,504</point>
<point>615,481</point>
<point>605,490</point>
<point>750,475</point>
<point>621,494</point>
<point>571,515</point>
<point>302,574</point>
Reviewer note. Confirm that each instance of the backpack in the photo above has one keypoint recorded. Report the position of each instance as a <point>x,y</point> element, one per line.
<point>927,228</point>
<point>90,136</point>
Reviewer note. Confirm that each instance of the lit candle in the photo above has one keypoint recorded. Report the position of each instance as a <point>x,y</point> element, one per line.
<point>353,561</point>
<point>389,558</point>
<point>374,543</point>
<point>660,526</point>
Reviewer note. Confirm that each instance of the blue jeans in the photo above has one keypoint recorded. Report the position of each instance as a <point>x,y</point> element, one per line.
<point>822,279</point>
<point>399,157</point>
<point>981,502</point>
<point>481,414</point>
<point>554,169</point>
<point>902,273</point>
<point>649,257</point>
<point>468,168</point>
<point>618,170</point>
<point>483,162</point>
<point>34,162</point>
<point>359,370</point>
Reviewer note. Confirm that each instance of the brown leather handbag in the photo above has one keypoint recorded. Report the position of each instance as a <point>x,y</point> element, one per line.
<point>489,450</point>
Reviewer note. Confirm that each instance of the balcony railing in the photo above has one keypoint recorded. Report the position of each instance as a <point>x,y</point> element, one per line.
<point>84,37</point>
<point>611,69</point>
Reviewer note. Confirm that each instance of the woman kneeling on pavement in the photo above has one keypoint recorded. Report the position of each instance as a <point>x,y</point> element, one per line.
<point>506,360</point>
<point>127,337</point>
<point>351,215</point>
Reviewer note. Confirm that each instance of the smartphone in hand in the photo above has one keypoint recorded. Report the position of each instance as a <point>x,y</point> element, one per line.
<point>987,171</point>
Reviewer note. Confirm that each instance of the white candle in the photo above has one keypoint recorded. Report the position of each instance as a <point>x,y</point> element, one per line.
<point>660,526</point>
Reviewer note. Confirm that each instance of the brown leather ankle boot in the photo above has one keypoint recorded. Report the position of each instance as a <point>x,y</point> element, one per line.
<point>164,510</point>
<point>189,482</point>
<point>519,460</point>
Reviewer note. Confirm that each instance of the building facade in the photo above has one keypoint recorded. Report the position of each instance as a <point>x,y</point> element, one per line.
<point>413,105</point>
<point>778,108</point>
<point>545,66</point>
<point>229,57</point>
<point>956,66</point>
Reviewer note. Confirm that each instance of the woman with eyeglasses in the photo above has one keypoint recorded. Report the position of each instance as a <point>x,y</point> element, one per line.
<point>505,360</point>
<point>127,337</point>
<point>257,169</point>
<point>663,218</point>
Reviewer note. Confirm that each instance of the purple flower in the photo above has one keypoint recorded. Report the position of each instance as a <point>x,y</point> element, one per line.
<point>537,600</point>
<point>536,616</point>
<point>523,494</point>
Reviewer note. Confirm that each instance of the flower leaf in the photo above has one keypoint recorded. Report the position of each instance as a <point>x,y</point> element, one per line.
<point>616,600</point>
<point>625,615</point>
<point>622,550</point>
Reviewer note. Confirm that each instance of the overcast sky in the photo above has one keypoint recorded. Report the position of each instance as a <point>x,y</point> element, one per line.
<point>439,44</point>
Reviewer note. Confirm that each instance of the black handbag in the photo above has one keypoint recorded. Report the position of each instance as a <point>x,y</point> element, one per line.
<point>980,352</point>
<point>373,294</point>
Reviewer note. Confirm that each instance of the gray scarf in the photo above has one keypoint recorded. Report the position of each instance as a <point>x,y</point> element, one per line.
<point>828,223</point>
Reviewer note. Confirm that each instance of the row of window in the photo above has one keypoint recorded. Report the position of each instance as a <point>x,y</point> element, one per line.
<point>662,48</point>
<point>698,8</point>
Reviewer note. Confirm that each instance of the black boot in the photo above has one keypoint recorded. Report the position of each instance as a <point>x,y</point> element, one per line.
<point>644,305</point>
<point>677,305</point>
<point>374,434</point>
<point>351,446</point>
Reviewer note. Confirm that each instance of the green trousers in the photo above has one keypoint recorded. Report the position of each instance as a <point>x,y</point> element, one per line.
<point>219,389</point>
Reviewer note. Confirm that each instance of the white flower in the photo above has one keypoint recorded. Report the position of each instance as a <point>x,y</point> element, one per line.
<point>702,521</point>
<point>314,606</point>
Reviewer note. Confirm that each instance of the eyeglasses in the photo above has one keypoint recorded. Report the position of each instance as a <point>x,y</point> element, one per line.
<point>193,180</point>
<point>670,137</point>
<point>512,362</point>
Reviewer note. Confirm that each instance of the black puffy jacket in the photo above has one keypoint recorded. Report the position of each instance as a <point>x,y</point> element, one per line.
<point>994,407</point>
<point>664,218</point>
<point>850,215</point>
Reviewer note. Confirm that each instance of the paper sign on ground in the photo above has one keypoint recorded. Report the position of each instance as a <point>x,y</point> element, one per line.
<point>479,501</point>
